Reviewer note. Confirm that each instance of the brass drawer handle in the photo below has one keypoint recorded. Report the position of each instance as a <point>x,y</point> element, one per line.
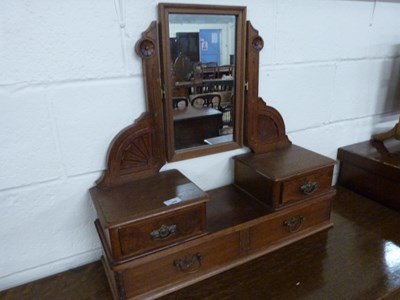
<point>189,264</point>
<point>293,224</point>
<point>309,188</point>
<point>163,232</point>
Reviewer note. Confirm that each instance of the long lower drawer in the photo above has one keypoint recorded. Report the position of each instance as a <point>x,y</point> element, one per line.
<point>180,266</point>
<point>291,222</point>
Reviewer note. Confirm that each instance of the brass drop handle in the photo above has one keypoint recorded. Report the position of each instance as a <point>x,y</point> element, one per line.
<point>309,188</point>
<point>163,232</point>
<point>189,264</point>
<point>293,224</point>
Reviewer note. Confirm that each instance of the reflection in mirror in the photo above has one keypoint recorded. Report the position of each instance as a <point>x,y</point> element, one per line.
<point>203,76</point>
<point>202,66</point>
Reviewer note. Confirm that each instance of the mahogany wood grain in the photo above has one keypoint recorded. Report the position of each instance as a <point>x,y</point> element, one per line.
<point>133,154</point>
<point>264,126</point>
<point>136,239</point>
<point>350,261</point>
<point>146,279</point>
<point>316,212</point>
<point>237,236</point>
<point>278,177</point>
<point>292,189</point>
<point>286,163</point>
<point>353,260</point>
<point>367,170</point>
<point>139,199</point>
<point>129,213</point>
<point>234,207</point>
<point>138,151</point>
<point>238,224</point>
<point>148,49</point>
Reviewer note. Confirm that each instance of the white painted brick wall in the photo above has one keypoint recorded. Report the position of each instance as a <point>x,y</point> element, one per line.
<point>46,41</point>
<point>70,80</point>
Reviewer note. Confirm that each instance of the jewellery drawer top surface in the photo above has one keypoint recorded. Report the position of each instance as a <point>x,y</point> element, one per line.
<point>285,163</point>
<point>167,191</point>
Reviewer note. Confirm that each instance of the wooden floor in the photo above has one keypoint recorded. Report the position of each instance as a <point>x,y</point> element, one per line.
<point>359,258</point>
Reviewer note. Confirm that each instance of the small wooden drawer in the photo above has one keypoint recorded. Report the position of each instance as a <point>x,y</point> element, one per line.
<point>311,184</point>
<point>284,177</point>
<point>158,232</point>
<point>150,214</point>
<point>152,272</point>
<point>293,221</point>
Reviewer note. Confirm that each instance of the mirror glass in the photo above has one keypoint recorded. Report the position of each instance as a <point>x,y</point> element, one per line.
<point>202,61</point>
<point>203,93</point>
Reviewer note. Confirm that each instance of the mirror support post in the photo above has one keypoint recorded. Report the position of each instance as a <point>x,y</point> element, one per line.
<point>138,151</point>
<point>264,128</point>
<point>148,49</point>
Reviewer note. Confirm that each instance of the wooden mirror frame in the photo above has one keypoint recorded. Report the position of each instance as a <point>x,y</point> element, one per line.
<point>139,150</point>
<point>165,9</point>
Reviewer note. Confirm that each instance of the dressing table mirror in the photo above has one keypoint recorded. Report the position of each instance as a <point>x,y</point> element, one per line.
<point>203,78</point>
<point>159,231</point>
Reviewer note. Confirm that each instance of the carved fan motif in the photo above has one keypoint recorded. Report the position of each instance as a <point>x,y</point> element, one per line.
<point>138,153</point>
<point>268,132</point>
<point>132,154</point>
<point>267,128</point>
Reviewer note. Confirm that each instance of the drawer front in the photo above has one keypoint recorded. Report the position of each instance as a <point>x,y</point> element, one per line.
<point>181,266</point>
<point>161,231</point>
<point>295,220</point>
<point>306,186</point>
